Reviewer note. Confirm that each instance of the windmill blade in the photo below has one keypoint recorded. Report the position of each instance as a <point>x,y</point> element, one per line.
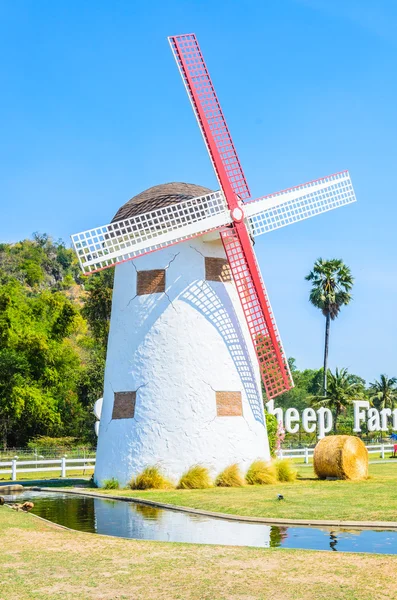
<point>209,114</point>
<point>272,361</point>
<point>299,203</point>
<point>106,246</point>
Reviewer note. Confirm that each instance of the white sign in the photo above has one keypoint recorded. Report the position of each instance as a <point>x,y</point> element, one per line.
<point>322,420</point>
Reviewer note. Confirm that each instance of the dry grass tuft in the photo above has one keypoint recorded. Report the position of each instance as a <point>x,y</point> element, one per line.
<point>196,478</point>
<point>151,478</point>
<point>285,470</point>
<point>341,456</point>
<point>230,477</point>
<point>261,473</point>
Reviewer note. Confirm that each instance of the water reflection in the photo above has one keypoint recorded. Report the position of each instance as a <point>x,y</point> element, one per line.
<point>148,512</point>
<point>333,542</point>
<point>144,522</point>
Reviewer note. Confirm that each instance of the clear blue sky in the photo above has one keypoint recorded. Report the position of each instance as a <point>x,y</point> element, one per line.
<point>92,111</point>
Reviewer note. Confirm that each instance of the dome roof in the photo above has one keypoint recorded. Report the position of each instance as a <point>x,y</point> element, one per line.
<point>159,196</point>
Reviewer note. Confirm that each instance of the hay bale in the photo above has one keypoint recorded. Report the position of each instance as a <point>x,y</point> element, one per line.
<point>341,456</point>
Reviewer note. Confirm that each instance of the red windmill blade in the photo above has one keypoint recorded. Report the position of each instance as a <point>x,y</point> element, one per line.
<point>273,364</point>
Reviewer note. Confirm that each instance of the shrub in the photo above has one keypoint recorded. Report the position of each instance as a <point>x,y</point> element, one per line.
<point>150,478</point>
<point>271,426</point>
<point>195,478</point>
<point>285,470</point>
<point>261,473</point>
<point>45,442</point>
<point>230,477</point>
<point>110,484</point>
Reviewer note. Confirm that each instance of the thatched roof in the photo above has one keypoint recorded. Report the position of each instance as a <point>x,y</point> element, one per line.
<point>159,196</point>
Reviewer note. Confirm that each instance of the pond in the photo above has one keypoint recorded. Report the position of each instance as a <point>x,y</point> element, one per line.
<point>143,522</point>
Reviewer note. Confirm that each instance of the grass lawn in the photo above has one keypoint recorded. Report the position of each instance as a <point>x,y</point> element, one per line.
<point>40,561</point>
<point>371,500</point>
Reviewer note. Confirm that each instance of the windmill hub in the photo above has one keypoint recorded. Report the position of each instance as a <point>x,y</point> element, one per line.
<point>237,214</point>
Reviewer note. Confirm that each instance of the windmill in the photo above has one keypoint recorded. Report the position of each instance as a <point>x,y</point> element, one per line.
<point>192,329</point>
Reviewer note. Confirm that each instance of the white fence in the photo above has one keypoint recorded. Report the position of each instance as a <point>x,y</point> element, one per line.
<point>306,453</point>
<point>63,464</point>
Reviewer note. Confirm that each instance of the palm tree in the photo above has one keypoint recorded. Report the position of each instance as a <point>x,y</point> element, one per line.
<point>331,284</point>
<point>341,392</point>
<point>383,393</point>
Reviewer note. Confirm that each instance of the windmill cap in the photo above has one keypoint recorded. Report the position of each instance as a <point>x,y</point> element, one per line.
<point>159,196</point>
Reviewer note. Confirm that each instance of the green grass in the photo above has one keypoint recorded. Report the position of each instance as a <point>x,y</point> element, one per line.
<point>41,562</point>
<point>371,500</point>
<point>111,484</point>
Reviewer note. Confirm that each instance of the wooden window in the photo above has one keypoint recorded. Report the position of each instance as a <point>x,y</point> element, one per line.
<point>150,282</point>
<point>229,404</point>
<point>217,269</point>
<point>124,405</point>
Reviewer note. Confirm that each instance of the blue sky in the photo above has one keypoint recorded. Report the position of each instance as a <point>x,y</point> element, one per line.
<point>92,111</point>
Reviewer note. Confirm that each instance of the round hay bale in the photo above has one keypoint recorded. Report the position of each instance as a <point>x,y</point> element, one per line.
<point>342,457</point>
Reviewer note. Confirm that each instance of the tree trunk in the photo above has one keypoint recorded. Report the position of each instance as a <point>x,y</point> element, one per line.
<point>327,324</point>
<point>336,419</point>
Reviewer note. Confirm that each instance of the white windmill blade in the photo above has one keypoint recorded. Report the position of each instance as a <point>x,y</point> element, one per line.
<point>119,241</point>
<point>298,203</point>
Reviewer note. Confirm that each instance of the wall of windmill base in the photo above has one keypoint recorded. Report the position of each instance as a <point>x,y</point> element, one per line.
<point>176,350</point>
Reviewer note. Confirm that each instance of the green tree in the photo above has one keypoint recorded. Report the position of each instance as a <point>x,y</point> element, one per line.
<point>98,304</point>
<point>383,393</point>
<point>51,358</point>
<point>341,391</point>
<point>331,282</point>
<point>39,368</point>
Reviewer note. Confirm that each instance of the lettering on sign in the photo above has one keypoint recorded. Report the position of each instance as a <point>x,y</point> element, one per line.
<point>322,420</point>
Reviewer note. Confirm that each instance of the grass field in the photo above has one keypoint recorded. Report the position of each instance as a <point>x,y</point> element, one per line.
<point>41,562</point>
<point>308,498</point>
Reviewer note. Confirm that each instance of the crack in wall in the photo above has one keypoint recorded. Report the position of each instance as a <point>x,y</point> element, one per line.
<point>197,251</point>
<point>170,301</point>
<point>203,282</point>
<point>206,383</point>
<point>171,261</point>
<point>131,299</point>
<point>165,268</point>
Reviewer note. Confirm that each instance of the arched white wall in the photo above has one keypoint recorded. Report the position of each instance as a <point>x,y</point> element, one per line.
<point>176,349</point>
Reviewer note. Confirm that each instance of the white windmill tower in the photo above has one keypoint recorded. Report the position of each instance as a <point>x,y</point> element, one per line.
<point>192,331</point>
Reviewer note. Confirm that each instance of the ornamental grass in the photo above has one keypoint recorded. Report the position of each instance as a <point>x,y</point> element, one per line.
<point>261,473</point>
<point>285,470</point>
<point>196,478</point>
<point>230,477</point>
<point>110,484</point>
<point>151,478</point>
<point>341,457</point>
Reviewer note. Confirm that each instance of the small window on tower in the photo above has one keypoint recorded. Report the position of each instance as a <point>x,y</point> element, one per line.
<point>151,282</point>
<point>229,404</point>
<point>124,405</point>
<point>217,269</point>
